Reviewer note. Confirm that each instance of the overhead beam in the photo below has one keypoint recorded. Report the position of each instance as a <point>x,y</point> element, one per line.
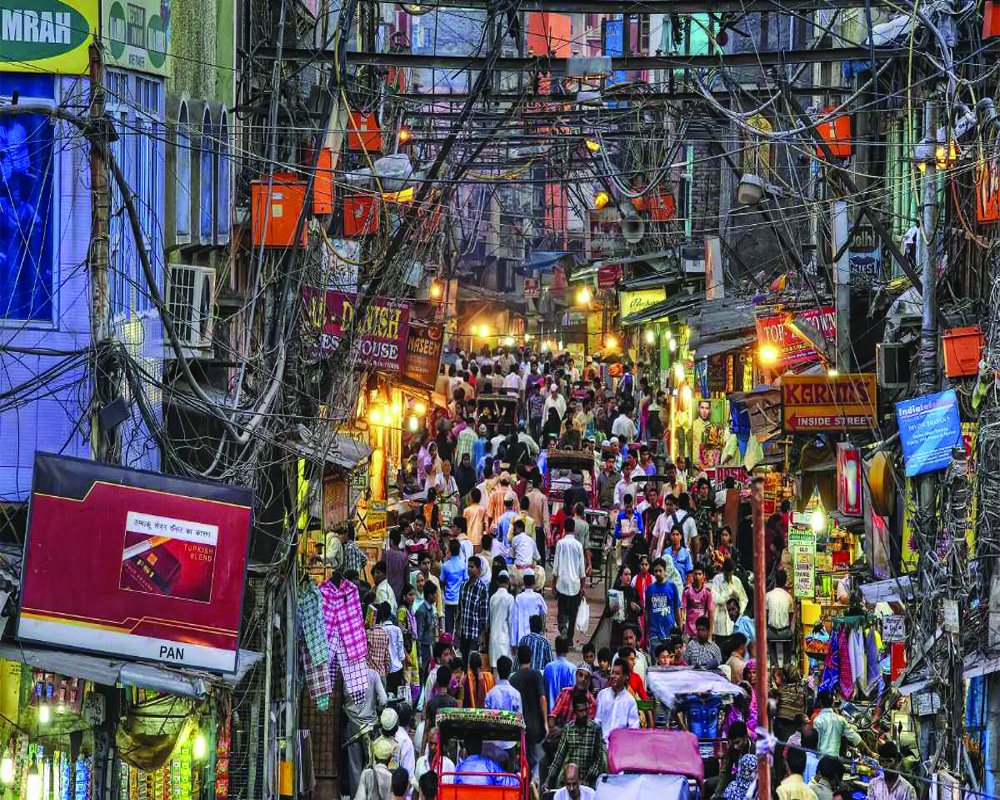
<point>556,66</point>
<point>661,6</point>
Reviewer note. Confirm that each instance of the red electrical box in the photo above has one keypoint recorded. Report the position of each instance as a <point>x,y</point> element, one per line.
<point>363,133</point>
<point>837,132</point>
<point>991,19</point>
<point>276,214</point>
<point>323,194</point>
<point>360,215</point>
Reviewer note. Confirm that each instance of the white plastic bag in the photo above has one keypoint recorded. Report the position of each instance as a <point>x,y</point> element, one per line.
<point>583,616</point>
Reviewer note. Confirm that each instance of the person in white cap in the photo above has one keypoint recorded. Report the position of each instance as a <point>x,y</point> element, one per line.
<point>556,401</point>
<point>376,780</point>
<point>391,729</point>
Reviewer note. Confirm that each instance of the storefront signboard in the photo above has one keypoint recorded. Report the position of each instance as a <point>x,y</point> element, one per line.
<point>48,36</point>
<point>423,354</point>
<point>135,564</point>
<point>633,302</point>
<point>382,335</point>
<point>828,403</point>
<point>137,34</point>
<point>929,427</point>
<point>772,330</point>
<point>802,544</point>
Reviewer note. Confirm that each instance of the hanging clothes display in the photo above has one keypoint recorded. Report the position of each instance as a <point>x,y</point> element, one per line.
<point>846,682</point>
<point>315,648</point>
<point>345,634</point>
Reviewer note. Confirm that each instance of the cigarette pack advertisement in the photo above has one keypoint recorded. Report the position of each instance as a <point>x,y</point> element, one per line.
<point>135,564</point>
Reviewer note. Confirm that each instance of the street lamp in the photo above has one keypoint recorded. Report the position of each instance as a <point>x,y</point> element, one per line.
<point>436,290</point>
<point>583,296</point>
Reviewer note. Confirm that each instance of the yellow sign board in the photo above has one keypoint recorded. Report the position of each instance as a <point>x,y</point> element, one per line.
<point>633,302</point>
<point>48,36</point>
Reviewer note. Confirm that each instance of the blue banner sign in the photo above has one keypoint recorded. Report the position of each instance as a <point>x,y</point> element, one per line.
<point>929,427</point>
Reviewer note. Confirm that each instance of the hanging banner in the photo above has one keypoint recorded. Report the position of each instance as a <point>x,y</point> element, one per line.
<point>134,564</point>
<point>824,402</point>
<point>137,35</point>
<point>929,427</point>
<point>772,330</point>
<point>383,334</point>
<point>423,354</point>
<point>48,36</point>
<point>802,544</point>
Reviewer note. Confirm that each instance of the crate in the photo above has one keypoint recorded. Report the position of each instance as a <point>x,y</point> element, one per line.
<point>363,133</point>
<point>275,215</point>
<point>962,349</point>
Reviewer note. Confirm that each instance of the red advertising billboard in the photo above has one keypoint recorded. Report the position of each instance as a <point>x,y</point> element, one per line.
<point>134,564</point>
<point>792,350</point>
<point>383,332</point>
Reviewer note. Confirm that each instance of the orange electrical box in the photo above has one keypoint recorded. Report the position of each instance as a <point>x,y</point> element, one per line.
<point>360,215</point>
<point>837,133</point>
<point>323,194</point>
<point>363,133</point>
<point>276,215</point>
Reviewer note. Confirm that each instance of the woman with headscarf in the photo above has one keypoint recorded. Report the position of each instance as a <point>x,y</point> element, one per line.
<point>553,425</point>
<point>632,608</point>
<point>465,476</point>
<point>744,785</point>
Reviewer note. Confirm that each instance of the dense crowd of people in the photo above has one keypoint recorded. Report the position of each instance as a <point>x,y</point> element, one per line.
<point>456,606</point>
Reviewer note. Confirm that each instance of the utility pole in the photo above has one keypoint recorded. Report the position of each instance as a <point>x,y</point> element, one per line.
<point>842,281</point>
<point>760,633</point>
<point>100,312</point>
<point>926,485</point>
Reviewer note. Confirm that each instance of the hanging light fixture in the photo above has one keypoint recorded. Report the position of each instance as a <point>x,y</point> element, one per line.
<point>33,786</point>
<point>416,9</point>
<point>200,747</point>
<point>7,767</point>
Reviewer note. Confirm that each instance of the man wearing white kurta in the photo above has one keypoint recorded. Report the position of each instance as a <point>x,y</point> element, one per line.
<point>500,605</point>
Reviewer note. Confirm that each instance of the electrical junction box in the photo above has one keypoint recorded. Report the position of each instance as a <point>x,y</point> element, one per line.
<point>276,205</point>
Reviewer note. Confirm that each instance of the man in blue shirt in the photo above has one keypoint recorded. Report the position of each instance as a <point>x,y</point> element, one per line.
<point>454,571</point>
<point>741,623</point>
<point>503,524</point>
<point>478,770</point>
<point>662,605</point>
<point>559,673</point>
<point>629,522</point>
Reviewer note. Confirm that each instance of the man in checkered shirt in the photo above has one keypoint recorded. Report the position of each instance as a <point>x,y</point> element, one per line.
<point>473,610</point>
<point>354,556</point>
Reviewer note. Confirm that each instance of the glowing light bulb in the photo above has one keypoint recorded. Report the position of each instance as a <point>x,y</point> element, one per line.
<point>678,372</point>
<point>405,135</point>
<point>650,337</point>
<point>769,354</point>
<point>592,146</point>
<point>376,416</point>
<point>414,424</point>
<point>686,395</point>
<point>672,345</point>
<point>6,768</point>
<point>601,199</point>
<point>484,331</point>
<point>509,341</point>
<point>818,520</point>
<point>435,290</point>
<point>420,408</point>
<point>833,372</point>
<point>611,342</point>
<point>44,713</point>
<point>200,747</point>
<point>583,296</point>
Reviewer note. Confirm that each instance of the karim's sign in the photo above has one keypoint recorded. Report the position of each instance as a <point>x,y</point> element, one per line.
<point>824,403</point>
<point>382,334</point>
<point>47,35</point>
<point>134,564</point>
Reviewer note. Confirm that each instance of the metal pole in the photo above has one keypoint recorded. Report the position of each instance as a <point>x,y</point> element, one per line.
<point>842,282</point>
<point>760,623</point>
<point>270,759</point>
<point>291,662</point>
<point>99,299</point>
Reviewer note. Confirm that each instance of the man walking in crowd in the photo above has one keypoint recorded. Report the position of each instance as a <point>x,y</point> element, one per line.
<point>569,569</point>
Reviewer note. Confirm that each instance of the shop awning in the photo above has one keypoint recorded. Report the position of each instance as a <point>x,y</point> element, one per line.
<point>338,449</point>
<point>709,349</point>
<point>110,671</point>
<point>543,259</point>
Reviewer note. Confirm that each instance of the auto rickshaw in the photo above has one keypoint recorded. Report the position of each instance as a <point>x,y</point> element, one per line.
<point>652,763</point>
<point>455,726</point>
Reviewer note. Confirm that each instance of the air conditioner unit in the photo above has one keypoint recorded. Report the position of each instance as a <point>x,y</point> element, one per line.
<point>892,365</point>
<point>191,302</point>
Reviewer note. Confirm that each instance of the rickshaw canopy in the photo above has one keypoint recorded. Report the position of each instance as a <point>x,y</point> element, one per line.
<point>658,751</point>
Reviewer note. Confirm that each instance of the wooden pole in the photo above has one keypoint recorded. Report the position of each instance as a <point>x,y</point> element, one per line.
<point>760,635</point>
